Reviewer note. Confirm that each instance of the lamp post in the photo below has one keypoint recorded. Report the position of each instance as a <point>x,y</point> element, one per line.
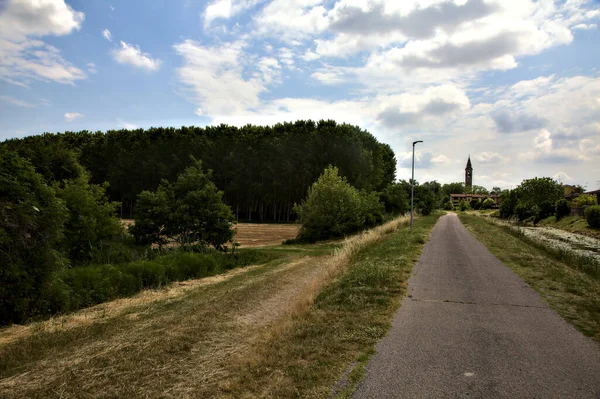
<point>412,184</point>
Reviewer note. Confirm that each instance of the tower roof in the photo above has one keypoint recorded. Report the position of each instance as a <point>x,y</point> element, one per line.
<point>469,163</point>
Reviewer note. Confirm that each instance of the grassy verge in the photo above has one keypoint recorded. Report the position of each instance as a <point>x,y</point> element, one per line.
<point>573,224</point>
<point>336,334</point>
<point>574,294</point>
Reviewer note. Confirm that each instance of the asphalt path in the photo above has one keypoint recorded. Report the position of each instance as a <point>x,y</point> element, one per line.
<point>470,328</point>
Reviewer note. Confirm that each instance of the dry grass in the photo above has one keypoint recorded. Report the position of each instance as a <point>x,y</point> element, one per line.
<point>251,235</point>
<point>197,339</point>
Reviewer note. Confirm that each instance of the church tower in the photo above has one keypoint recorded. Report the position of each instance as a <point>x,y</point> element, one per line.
<point>469,174</point>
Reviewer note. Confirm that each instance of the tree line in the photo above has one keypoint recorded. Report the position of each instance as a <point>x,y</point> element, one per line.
<point>262,170</point>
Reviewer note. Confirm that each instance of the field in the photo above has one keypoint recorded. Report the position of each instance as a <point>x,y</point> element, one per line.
<point>251,235</point>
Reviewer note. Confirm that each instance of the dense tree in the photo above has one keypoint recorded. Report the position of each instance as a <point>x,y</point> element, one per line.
<point>477,190</point>
<point>395,199</point>
<point>533,198</point>
<point>190,211</point>
<point>262,170</point>
<point>91,221</point>
<point>332,208</point>
<point>31,227</point>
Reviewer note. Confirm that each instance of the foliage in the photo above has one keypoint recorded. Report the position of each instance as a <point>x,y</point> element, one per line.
<point>449,206</point>
<point>463,205</point>
<point>371,208</point>
<point>31,226</point>
<point>189,211</point>
<point>539,189</point>
<point>562,209</point>
<point>475,189</point>
<point>426,200</point>
<point>80,287</point>
<point>91,218</point>
<point>496,191</point>
<point>476,203</point>
<point>333,208</point>
<point>509,202</point>
<point>533,198</point>
<point>488,203</point>
<point>592,215</point>
<point>584,199</point>
<point>395,199</point>
<point>546,209</point>
<point>453,188</point>
<point>262,170</point>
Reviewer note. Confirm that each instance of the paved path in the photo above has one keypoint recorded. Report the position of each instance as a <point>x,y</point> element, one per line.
<point>471,328</point>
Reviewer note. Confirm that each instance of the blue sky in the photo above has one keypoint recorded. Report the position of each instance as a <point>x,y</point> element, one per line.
<point>513,83</point>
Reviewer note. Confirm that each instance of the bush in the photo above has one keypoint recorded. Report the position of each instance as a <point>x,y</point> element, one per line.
<point>91,219</point>
<point>463,205</point>
<point>523,211</point>
<point>489,203</point>
<point>546,209</point>
<point>332,209</point>
<point>583,200</point>
<point>190,211</point>
<point>31,227</point>
<point>562,209</point>
<point>371,208</point>
<point>395,199</point>
<point>592,215</point>
<point>476,204</point>
<point>449,206</point>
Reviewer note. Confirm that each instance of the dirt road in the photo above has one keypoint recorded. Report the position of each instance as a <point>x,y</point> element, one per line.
<point>471,328</point>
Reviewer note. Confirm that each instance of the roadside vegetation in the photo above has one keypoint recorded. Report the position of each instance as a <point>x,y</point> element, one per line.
<point>570,284</point>
<point>292,327</point>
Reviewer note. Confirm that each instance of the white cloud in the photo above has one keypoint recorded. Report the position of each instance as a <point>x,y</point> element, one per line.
<point>15,101</point>
<point>491,158</point>
<point>24,58</point>
<point>132,54</point>
<point>585,26</point>
<point>225,9</point>
<point>125,125</point>
<point>107,35</point>
<point>71,116</point>
<point>214,77</point>
<point>292,21</point>
<point>91,67</point>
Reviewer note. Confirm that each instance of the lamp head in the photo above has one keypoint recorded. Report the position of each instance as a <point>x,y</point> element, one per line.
<point>415,142</point>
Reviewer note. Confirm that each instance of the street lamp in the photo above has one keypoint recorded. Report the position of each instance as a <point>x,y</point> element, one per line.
<point>412,186</point>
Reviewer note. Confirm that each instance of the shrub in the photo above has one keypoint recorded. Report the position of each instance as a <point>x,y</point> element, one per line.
<point>583,200</point>
<point>476,204</point>
<point>395,199</point>
<point>592,215</point>
<point>371,208</point>
<point>333,208</point>
<point>91,218</point>
<point>562,209</point>
<point>524,211</point>
<point>449,206</point>
<point>488,203</point>
<point>31,226</point>
<point>545,209</point>
<point>463,205</point>
<point>190,211</point>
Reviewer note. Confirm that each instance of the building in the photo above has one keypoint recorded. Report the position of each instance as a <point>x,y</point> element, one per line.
<point>469,174</point>
<point>456,198</point>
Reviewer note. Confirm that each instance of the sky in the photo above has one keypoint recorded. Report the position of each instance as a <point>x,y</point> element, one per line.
<point>515,84</point>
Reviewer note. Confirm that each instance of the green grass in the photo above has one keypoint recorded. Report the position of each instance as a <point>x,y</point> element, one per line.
<point>574,294</point>
<point>340,330</point>
<point>574,224</point>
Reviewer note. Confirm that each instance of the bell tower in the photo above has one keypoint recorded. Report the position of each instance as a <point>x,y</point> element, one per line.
<point>469,174</point>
